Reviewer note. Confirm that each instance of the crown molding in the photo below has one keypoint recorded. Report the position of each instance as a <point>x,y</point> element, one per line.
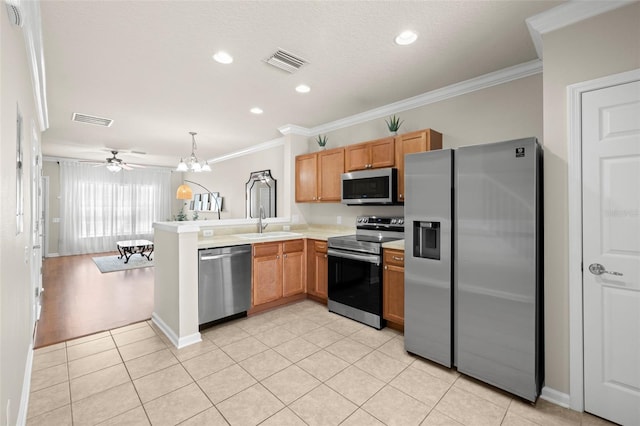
<point>292,129</point>
<point>32,30</point>
<point>255,148</point>
<point>565,15</point>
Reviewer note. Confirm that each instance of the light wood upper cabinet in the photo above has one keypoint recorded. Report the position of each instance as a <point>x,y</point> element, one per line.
<point>279,270</point>
<point>318,176</point>
<point>317,268</point>
<point>370,155</point>
<point>330,169</point>
<point>393,286</point>
<point>409,143</point>
<point>306,178</point>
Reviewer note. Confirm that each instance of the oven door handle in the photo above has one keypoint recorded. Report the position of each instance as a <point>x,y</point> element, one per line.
<point>369,258</point>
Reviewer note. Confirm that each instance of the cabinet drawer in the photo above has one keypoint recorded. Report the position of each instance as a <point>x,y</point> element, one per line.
<point>394,257</point>
<point>292,246</point>
<point>266,249</point>
<point>320,246</point>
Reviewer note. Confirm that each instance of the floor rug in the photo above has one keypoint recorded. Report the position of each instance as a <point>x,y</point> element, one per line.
<point>113,264</point>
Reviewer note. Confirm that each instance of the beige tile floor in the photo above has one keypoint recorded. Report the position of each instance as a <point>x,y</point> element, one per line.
<point>295,365</point>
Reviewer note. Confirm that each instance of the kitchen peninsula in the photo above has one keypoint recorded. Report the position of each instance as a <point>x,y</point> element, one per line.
<point>176,265</point>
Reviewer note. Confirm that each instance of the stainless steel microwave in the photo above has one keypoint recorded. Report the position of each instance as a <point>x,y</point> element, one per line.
<point>377,186</point>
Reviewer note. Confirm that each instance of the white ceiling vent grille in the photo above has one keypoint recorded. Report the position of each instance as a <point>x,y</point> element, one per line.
<point>91,119</point>
<point>286,61</point>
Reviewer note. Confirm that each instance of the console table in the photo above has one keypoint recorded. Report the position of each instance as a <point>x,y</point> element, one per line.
<point>130,247</point>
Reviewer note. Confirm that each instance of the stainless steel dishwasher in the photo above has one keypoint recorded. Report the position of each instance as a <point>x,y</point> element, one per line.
<point>224,282</point>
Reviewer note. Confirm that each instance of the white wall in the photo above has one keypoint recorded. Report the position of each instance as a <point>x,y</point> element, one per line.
<point>15,284</point>
<point>508,111</point>
<point>229,178</point>
<point>600,46</point>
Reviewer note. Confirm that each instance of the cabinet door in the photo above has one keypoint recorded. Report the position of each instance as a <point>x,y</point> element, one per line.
<point>393,287</point>
<point>293,273</point>
<point>330,169</point>
<point>317,268</point>
<point>409,143</point>
<point>382,153</point>
<point>321,274</point>
<point>267,273</point>
<point>357,157</point>
<point>306,178</point>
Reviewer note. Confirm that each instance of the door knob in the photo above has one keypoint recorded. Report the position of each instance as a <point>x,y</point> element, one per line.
<point>598,269</point>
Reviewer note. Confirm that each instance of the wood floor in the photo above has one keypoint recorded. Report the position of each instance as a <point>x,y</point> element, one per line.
<point>79,300</point>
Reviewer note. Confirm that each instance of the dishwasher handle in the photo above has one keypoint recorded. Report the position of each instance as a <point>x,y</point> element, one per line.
<point>214,254</point>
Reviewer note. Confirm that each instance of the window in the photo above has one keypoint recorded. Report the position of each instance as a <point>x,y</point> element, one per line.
<point>99,208</point>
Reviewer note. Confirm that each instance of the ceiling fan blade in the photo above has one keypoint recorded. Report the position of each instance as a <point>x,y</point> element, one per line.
<point>126,166</point>
<point>139,166</point>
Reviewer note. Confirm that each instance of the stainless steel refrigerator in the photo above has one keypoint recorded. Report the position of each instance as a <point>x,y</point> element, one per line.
<point>473,262</point>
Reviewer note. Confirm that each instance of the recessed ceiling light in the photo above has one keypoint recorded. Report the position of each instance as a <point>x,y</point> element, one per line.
<point>223,57</point>
<point>303,88</point>
<point>256,110</point>
<point>406,37</point>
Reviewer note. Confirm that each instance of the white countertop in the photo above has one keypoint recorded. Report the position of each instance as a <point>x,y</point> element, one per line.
<point>396,245</point>
<point>316,233</point>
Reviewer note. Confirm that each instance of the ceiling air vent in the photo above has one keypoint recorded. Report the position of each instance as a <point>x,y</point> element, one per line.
<point>91,119</point>
<point>286,61</point>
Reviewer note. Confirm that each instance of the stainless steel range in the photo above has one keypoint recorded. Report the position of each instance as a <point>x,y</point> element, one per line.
<point>355,269</point>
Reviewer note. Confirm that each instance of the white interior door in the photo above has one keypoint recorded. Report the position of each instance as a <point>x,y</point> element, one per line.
<point>36,221</point>
<point>611,252</point>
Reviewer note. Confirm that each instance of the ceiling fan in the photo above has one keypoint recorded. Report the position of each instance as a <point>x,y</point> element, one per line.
<point>115,164</point>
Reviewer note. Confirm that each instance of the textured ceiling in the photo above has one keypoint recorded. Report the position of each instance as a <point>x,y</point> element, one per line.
<point>148,66</point>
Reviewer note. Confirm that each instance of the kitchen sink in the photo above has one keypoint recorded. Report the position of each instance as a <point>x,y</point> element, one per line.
<point>265,235</point>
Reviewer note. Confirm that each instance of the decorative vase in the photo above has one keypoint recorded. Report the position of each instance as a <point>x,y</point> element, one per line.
<point>321,148</point>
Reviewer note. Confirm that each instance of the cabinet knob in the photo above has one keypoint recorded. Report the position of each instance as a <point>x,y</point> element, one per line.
<point>285,256</point>
<point>401,196</point>
<point>319,198</point>
<point>314,198</point>
<point>325,256</point>
<point>398,258</point>
<point>386,267</point>
<point>277,256</point>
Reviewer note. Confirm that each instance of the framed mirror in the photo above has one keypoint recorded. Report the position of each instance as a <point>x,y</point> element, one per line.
<point>261,191</point>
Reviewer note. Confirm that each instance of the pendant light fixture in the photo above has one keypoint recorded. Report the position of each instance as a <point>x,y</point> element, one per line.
<point>192,164</point>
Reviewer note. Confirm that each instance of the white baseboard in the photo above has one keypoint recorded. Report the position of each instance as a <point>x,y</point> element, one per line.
<point>52,255</point>
<point>178,342</point>
<point>26,389</point>
<point>556,397</point>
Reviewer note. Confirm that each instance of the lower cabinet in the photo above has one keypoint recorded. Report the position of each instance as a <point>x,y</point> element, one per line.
<point>278,270</point>
<point>317,267</point>
<point>393,286</point>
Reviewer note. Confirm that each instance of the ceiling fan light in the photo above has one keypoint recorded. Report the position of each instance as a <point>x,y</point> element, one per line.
<point>206,167</point>
<point>114,168</point>
<point>196,167</point>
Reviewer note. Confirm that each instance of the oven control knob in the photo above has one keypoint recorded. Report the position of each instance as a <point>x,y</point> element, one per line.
<point>400,221</point>
<point>365,219</point>
<point>394,221</point>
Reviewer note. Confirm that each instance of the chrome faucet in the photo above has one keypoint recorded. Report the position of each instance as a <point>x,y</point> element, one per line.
<point>261,216</point>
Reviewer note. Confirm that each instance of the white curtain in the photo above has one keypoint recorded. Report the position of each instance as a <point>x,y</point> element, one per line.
<point>99,208</point>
